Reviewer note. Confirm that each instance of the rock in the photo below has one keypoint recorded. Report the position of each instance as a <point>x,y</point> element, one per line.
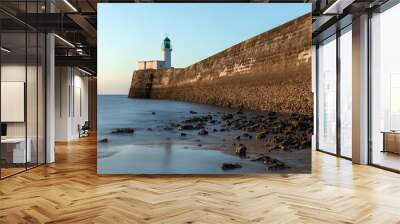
<point>186,127</point>
<point>246,135</point>
<point>306,144</point>
<point>293,142</point>
<point>238,138</point>
<point>292,124</point>
<point>199,126</point>
<point>235,125</point>
<point>203,132</point>
<point>193,112</point>
<point>104,140</point>
<point>303,125</point>
<point>262,135</point>
<point>197,119</point>
<point>259,159</point>
<point>278,139</point>
<point>192,120</point>
<point>230,166</point>
<point>254,127</point>
<point>122,131</point>
<point>271,163</point>
<point>227,116</point>
<point>294,116</point>
<point>279,147</point>
<point>275,164</point>
<point>240,150</point>
<point>268,147</point>
<point>183,134</point>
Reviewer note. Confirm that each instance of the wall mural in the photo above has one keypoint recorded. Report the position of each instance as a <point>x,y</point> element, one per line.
<point>226,97</point>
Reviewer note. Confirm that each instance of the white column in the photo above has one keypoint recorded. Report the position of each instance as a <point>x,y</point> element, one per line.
<point>50,98</point>
<point>63,101</point>
<point>360,90</point>
<point>314,91</point>
<point>50,92</point>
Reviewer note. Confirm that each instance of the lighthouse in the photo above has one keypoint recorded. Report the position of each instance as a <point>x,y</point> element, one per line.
<point>166,48</point>
<point>157,64</point>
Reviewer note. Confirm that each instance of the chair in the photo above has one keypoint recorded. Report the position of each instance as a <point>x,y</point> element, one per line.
<point>84,130</point>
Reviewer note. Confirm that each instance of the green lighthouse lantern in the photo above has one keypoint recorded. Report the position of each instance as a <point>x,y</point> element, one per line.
<point>167,43</point>
<point>167,48</point>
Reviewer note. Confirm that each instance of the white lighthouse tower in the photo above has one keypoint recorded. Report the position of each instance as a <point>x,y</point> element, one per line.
<point>166,48</point>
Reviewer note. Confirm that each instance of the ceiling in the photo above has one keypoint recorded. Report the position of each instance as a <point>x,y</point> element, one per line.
<point>75,21</point>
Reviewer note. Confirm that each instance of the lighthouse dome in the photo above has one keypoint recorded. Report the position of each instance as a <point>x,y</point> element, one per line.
<point>167,43</point>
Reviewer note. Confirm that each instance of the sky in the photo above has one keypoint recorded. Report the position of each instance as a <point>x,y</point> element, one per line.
<point>128,33</point>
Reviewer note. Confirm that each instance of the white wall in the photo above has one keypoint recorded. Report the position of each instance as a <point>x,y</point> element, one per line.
<point>71,102</point>
<point>80,109</point>
<point>150,64</point>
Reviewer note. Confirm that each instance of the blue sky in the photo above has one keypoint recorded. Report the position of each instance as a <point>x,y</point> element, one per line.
<point>128,33</point>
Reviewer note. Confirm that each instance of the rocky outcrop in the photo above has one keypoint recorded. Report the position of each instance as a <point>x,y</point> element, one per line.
<point>269,72</point>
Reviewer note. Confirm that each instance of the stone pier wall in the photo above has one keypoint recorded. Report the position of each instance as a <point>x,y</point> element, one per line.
<point>268,72</point>
<point>141,84</point>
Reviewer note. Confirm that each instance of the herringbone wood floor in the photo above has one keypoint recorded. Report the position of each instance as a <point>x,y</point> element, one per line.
<point>70,191</point>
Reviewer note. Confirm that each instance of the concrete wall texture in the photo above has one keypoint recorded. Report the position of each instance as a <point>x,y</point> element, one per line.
<point>268,72</point>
